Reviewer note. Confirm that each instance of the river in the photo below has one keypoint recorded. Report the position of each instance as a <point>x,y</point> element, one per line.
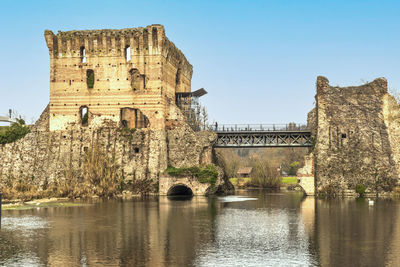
<point>252,228</point>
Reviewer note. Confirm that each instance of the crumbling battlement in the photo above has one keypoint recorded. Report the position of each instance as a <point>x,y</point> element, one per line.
<point>150,40</point>
<point>357,132</point>
<point>113,74</point>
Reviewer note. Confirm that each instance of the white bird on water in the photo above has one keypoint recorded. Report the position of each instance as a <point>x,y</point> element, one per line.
<point>370,202</point>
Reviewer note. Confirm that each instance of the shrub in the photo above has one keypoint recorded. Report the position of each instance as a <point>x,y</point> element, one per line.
<point>90,78</point>
<point>13,132</point>
<point>360,189</point>
<point>265,175</point>
<point>293,167</point>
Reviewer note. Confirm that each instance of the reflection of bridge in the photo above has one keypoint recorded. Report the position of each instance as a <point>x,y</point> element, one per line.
<point>262,135</point>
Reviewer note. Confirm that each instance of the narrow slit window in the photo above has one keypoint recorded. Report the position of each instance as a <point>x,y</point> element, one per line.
<point>84,115</point>
<point>90,78</point>
<point>128,53</point>
<point>83,55</point>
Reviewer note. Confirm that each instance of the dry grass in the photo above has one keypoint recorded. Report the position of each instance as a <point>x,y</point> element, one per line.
<point>99,175</point>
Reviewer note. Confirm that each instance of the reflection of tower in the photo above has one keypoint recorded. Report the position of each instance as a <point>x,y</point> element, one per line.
<point>393,257</point>
<point>351,233</point>
<point>307,211</point>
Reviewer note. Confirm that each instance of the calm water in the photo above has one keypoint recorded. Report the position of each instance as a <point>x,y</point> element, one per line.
<point>254,228</point>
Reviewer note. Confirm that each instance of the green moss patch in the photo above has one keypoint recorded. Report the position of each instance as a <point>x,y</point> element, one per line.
<point>204,174</point>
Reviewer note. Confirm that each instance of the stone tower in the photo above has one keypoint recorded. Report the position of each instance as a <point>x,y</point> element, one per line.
<point>128,76</point>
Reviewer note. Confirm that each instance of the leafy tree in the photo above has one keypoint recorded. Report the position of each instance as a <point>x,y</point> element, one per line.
<point>293,167</point>
<point>12,133</point>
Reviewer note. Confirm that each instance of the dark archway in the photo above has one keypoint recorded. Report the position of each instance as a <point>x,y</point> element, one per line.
<point>180,190</point>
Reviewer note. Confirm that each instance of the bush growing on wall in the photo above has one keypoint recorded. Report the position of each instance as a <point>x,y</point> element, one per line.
<point>17,130</point>
<point>204,174</point>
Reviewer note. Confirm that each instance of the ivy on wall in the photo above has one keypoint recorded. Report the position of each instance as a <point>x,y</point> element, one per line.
<point>90,78</point>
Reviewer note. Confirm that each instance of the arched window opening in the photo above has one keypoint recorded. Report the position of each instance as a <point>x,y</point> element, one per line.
<point>83,54</point>
<point>84,115</point>
<point>90,78</point>
<point>138,81</point>
<point>133,118</point>
<point>180,190</point>
<point>128,53</point>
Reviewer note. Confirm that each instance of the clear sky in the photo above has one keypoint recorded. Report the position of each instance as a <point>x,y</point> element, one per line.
<point>258,60</point>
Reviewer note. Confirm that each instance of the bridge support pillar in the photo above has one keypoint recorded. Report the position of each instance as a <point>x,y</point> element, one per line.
<point>167,183</point>
<point>306,177</point>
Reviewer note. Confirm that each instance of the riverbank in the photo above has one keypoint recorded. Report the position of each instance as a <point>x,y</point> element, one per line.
<point>41,203</point>
<point>19,204</point>
<point>289,183</point>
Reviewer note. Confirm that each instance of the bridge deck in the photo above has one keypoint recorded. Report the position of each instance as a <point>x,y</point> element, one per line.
<point>263,136</point>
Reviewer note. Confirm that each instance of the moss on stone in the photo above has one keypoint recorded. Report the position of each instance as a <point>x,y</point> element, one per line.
<point>204,174</point>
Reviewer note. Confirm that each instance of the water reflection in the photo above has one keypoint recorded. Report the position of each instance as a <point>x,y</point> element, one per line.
<point>256,228</point>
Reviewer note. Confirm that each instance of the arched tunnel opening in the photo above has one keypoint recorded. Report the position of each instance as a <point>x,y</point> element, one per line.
<point>180,190</point>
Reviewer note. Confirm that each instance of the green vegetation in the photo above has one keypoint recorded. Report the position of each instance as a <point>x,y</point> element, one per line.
<point>289,180</point>
<point>85,118</point>
<point>293,167</point>
<point>360,189</point>
<point>265,175</point>
<point>247,181</point>
<point>204,174</point>
<point>10,134</point>
<point>90,79</point>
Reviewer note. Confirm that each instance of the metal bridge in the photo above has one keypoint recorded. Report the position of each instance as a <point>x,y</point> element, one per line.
<point>262,135</point>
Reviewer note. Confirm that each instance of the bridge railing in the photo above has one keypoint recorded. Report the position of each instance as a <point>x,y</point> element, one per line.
<point>258,127</point>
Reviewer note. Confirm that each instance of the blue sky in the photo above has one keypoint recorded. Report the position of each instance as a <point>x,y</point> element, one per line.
<point>258,60</point>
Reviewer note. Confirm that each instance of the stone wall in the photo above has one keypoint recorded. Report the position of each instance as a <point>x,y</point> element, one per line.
<point>356,134</point>
<point>45,156</point>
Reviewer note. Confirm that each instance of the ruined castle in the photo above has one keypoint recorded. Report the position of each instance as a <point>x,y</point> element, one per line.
<point>356,132</point>
<point>116,89</point>
<point>127,76</point>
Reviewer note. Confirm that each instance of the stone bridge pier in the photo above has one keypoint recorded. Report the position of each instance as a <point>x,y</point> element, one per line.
<point>184,186</point>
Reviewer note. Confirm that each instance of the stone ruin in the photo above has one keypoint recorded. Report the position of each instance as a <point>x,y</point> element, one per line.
<point>116,88</point>
<point>356,133</point>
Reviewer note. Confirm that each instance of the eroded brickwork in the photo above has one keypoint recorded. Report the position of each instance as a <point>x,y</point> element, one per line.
<point>108,70</point>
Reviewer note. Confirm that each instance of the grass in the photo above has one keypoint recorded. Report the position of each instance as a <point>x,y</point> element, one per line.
<point>243,181</point>
<point>289,180</point>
